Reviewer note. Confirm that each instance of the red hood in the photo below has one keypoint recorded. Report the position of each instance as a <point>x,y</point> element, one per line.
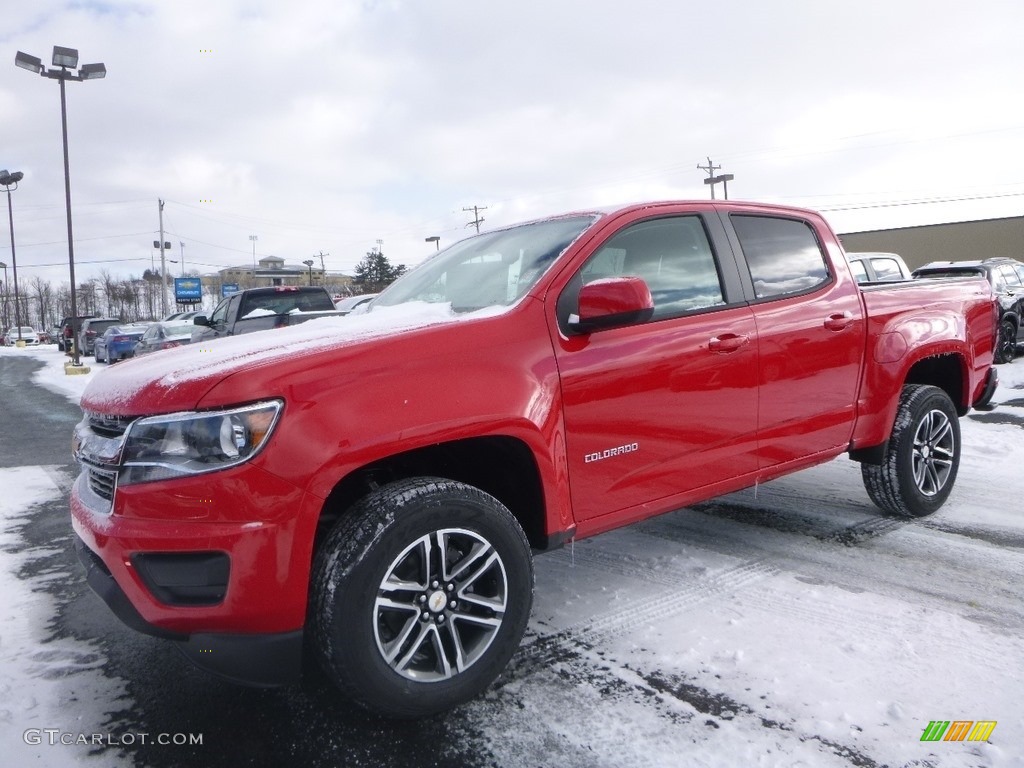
<point>178,379</point>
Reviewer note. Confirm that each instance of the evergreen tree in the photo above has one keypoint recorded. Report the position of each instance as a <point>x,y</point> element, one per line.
<point>375,273</point>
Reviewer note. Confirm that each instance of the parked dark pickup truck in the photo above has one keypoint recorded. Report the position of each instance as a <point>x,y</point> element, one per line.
<point>257,309</point>
<point>374,487</point>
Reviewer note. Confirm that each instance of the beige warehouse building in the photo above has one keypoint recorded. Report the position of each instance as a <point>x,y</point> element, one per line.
<point>957,241</point>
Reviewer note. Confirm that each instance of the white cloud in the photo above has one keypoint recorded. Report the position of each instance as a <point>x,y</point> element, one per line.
<point>322,125</point>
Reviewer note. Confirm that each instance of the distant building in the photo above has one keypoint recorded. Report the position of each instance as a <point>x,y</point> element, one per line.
<point>956,241</point>
<point>272,270</point>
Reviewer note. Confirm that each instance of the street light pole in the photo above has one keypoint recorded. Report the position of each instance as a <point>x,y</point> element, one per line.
<point>7,180</point>
<point>3,266</point>
<point>309,263</point>
<point>66,59</point>
<point>436,240</point>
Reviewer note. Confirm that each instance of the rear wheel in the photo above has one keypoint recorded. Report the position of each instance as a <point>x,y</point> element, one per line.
<point>1006,344</point>
<point>920,462</point>
<point>420,596</point>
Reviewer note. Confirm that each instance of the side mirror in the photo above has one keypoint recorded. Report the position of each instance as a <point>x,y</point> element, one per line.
<point>612,302</point>
<point>201,320</point>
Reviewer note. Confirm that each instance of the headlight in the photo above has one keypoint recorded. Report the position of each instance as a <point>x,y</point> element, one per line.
<point>162,447</point>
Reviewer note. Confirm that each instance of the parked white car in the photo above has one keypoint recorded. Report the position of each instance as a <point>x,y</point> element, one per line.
<point>872,267</point>
<point>28,335</point>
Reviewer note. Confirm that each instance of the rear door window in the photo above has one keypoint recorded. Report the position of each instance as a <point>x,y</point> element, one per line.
<point>783,255</point>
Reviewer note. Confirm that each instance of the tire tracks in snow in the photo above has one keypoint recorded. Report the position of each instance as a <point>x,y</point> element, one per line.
<point>684,592</point>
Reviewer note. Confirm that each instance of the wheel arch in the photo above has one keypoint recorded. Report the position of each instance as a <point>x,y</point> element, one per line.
<point>946,370</point>
<point>502,466</point>
<point>948,373</point>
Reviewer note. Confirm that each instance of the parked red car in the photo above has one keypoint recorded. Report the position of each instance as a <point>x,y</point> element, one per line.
<point>374,486</point>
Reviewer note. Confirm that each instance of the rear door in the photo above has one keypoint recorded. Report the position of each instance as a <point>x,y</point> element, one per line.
<point>811,331</point>
<point>665,406</point>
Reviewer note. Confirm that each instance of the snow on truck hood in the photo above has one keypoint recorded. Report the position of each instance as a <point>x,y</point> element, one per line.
<point>177,379</point>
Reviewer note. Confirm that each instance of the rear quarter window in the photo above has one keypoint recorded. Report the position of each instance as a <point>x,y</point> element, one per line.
<point>783,255</point>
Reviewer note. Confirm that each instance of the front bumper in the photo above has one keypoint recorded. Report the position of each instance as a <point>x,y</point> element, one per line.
<point>218,563</point>
<point>258,660</point>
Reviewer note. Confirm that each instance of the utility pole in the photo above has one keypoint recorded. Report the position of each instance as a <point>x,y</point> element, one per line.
<point>163,265</point>
<point>477,221</point>
<point>711,180</point>
<point>253,239</point>
<point>323,269</point>
<point>182,258</point>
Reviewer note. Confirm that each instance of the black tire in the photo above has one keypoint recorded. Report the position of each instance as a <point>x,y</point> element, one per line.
<point>921,460</point>
<point>1006,342</point>
<point>398,651</point>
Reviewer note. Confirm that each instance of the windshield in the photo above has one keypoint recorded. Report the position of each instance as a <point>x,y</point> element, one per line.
<point>493,269</point>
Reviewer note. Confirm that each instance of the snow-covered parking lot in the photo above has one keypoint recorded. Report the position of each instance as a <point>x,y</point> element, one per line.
<point>783,626</point>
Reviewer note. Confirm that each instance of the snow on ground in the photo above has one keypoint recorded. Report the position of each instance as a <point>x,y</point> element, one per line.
<point>44,682</point>
<point>790,625</point>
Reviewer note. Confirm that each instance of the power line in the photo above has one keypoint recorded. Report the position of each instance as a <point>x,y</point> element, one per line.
<point>77,240</point>
<point>919,201</point>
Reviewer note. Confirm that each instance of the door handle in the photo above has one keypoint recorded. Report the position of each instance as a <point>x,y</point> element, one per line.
<point>839,321</point>
<point>727,342</point>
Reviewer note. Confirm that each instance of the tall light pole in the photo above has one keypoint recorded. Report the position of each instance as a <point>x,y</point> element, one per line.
<point>8,180</point>
<point>67,60</point>
<point>436,240</point>
<point>309,263</point>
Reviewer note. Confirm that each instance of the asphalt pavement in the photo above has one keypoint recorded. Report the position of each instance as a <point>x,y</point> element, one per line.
<point>308,725</point>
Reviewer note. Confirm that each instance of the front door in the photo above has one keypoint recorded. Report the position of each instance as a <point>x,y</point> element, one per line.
<point>661,407</point>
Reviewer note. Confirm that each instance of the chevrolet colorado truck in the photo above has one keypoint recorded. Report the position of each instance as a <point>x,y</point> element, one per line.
<point>369,491</point>
<point>259,309</point>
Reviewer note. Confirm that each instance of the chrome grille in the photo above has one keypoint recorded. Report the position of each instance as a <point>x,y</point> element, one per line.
<point>102,483</point>
<point>107,425</point>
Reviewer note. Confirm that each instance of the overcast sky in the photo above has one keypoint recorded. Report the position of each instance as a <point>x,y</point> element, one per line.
<point>325,126</point>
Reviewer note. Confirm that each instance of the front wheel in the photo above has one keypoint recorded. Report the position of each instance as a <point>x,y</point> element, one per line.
<point>920,462</point>
<point>420,596</point>
<point>1006,344</point>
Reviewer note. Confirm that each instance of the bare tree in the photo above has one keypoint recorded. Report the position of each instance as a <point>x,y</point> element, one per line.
<point>42,292</point>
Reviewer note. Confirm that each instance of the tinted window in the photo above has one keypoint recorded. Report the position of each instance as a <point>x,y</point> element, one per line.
<point>783,255</point>
<point>1010,278</point>
<point>101,326</point>
<point>673,256</point>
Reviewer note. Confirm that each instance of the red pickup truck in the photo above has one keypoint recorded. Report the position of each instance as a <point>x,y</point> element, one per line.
<point>370,489</point>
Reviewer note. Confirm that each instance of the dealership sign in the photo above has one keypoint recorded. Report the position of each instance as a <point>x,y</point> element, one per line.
<point>188,290</point>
